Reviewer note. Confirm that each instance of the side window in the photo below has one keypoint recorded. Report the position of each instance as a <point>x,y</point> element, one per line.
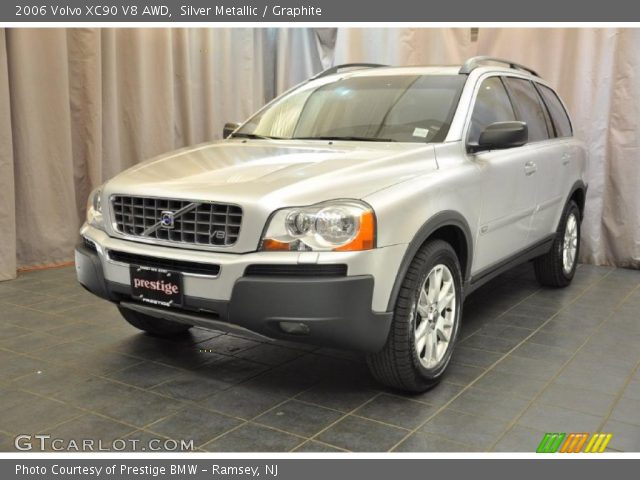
<point>557,111</point>
<point>529,107</point>
<point>492,105</point>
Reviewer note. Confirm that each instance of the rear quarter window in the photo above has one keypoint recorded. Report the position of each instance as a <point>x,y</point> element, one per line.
<point>557,112</point>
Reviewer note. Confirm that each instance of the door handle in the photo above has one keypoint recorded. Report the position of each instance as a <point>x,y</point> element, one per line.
<point>566,158</point>
<point>530,168</point>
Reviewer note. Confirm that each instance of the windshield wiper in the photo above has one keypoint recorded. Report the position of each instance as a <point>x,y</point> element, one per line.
<point>254,136</point>
<point>346,138</point>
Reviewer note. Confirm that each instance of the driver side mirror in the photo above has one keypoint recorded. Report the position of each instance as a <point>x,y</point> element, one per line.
<point>229,128</point>
<point>501,135</point>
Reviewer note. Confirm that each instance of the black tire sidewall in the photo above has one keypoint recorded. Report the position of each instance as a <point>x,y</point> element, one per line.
<point>559,247</point>
<point>445,256</point>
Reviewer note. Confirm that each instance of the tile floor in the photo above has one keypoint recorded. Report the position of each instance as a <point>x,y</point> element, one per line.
<point>530,360</point>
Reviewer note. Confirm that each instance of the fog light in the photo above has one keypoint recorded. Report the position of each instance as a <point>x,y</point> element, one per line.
<point>294,328</point>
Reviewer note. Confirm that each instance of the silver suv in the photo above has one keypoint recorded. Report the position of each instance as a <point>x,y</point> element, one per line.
<point>356,211</point>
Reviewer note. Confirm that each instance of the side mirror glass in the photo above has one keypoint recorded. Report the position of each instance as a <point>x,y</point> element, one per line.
<point>229,128</point>
<point>501,135</point>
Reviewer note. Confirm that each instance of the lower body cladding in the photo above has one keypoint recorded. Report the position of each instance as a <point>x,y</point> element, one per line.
<point>332,311</point>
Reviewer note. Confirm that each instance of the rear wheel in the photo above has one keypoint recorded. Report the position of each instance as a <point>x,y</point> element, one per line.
<point>557,267</point>
<point>158,327</point>
<point>425,323</point>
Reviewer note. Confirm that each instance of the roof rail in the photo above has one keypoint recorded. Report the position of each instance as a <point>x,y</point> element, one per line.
<point>337,68</point>
<point>475,62</point>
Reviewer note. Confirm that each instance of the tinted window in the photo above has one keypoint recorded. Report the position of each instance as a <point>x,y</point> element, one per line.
<point>529,107</point>
<point>492,105</point>
<point>401,108</point>
<point>557,111</point>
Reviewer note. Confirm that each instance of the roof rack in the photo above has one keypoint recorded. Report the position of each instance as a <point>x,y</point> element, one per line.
<point>475,62</point>
<point>337,68</point>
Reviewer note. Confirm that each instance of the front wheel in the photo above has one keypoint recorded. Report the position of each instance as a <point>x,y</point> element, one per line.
<point>425,323</point>
<point>557,267</point>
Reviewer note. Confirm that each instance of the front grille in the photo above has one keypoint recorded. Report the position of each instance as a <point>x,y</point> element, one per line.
<point>164,263</point>
<point>210,224</point>
<point>298,270</point>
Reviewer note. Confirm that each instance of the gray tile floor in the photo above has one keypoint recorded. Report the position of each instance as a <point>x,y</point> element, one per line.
<point>530,360</point>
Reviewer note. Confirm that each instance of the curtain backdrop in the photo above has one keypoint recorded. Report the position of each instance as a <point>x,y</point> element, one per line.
<point>80,105</point>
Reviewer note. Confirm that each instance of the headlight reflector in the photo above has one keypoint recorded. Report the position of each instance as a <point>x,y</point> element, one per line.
<point>341,225</point>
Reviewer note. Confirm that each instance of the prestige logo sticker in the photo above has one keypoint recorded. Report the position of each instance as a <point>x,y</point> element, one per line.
<point>574,443</point>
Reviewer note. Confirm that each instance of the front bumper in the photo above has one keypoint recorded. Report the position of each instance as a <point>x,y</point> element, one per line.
<point>335,311</point>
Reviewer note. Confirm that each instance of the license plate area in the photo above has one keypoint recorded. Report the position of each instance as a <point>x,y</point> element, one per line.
<point>156,286</point>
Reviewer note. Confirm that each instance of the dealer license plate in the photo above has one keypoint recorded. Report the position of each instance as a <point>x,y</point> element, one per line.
<point>156,286</point>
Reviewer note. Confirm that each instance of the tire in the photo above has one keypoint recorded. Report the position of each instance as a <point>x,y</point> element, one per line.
<point>399,364</point>
<point>158,327</point>
<point>551,269</point>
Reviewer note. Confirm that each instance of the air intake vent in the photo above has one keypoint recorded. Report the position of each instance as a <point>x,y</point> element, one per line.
<point>164,263</point>
<point>301,270</point>
<point>89,244</point>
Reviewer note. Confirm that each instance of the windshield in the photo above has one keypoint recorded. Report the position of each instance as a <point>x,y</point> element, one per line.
<point>393,108</point>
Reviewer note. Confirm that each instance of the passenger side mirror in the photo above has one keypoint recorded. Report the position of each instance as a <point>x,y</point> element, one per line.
<point>501,135</point>
<point>228,129</point>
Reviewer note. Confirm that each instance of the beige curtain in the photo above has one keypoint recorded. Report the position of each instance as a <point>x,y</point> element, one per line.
<point>403,46</point>
<point>7,197</point>
<point>81,105</point>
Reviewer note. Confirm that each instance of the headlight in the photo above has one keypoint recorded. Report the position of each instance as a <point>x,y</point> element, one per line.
<point>341,225</point>
<point>94,209</point>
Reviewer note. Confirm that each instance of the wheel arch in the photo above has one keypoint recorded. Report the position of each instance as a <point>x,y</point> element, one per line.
<point>449,226</point>
<point>578,193</point>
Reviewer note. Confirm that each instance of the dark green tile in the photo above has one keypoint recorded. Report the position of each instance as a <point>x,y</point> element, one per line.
<point>36,415</point>
<point>194,386</point>
<point>242,401</point>
<point>549,418</point>
<point>299,418</point>
<point>474,357</point>
<point>194,423</point>
<point>498,405</point>
<point>102,431</point>
<point>269,354</point>
<point>437,396</point>
<point>426,442</point>
<point>312,446</point>
<point>338,395</point>
<point>396,411</point>
<point>254,438</point>
<point>491,344</point>
<point>146,374</point>
<point>462,374</point>
<point>519,439</point>
<point>575,398</point>
<point>627,410</point>
<point>525,387</point>
<point>361,435</point>
<point>474,431</point>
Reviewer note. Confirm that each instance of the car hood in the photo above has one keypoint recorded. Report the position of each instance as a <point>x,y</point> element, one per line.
<point>275,173</point>
<point>236,171</point>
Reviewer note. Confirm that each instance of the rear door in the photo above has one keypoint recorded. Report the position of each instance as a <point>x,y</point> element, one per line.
<point>558,168</point>
<point>508,186</point>
<point>547,154</point>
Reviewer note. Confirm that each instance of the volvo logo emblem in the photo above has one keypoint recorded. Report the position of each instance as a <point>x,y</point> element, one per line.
<point>167,219</point>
